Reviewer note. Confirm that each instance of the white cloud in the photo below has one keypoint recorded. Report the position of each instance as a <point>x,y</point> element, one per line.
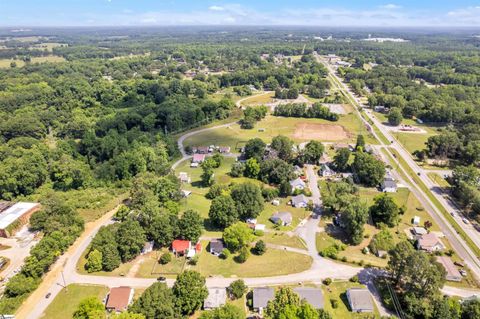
<point>216,8</point>
<point>390,6</point>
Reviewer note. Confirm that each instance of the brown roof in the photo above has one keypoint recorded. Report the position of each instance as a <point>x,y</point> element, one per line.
<point>452,272</point>
<point>429,241</point>
<point>119,298</point>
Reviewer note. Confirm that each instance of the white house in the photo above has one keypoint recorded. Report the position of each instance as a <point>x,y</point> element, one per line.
<point>389,185</point>
<point>297,184</point>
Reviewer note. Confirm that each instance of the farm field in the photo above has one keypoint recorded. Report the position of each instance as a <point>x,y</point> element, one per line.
<point>67,301</point>
<point>5,63</point>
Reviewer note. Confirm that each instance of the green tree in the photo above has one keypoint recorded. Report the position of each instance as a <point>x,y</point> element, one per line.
<point>368,169</point>
<point>260,248</point>
<point>395,116</point>
<point>312,152</point>
<point>190,225</point>
<point>227,311</point>
<point>19,285</point>
<point>130,239</point>
<point>127,315</point>
<point>341,159</point>
<point>471,309</point>
<point>285,297</point>
<point>94,261</point>
<point>248,200</point>
<point>189,291</point>
<point>354,216</point>
<point>237,289</point>
<point>237,236</point>
<point>157,301</point>
<point>252,168</point>
<point>385,210</point>
<point>360,142</point>
<point>90,308</point>
<point>284,147</point>
<point>255,148</point>
<point>223,211</point>
<point>207,176</point>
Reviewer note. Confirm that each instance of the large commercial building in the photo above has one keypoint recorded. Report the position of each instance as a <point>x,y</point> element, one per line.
<point>14,216</point>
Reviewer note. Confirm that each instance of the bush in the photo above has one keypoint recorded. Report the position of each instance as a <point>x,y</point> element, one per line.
<point>225,253</point>
<point>259,233</point>
<point>193,261</point>
<point>165,258</point>
<point>334,303</point>
<point>260,248</point>
<point>344,259</point>
<point>270,193</point>
<point>354,279</point>
<point>242,256</point>
<point>327,281</point>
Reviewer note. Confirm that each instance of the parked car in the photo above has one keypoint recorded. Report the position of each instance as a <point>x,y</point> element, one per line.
<point>161,279</point>
<point>453,214</point>
<point>465,220</point>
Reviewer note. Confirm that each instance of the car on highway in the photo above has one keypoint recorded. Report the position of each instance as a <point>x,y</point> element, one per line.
<point>453,214</point>
<point>48,295</point>
<point>161,278</point>
<point>465,220</point>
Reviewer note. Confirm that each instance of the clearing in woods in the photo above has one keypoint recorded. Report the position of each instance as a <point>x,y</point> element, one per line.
<point>330,132</point>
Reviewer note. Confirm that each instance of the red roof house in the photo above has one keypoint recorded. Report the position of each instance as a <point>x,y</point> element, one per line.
<point>180,246</point>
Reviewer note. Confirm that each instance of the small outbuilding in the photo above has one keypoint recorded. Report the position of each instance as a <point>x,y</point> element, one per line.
<point>360,300</point>
<point>183,177</point>
<point>216,247</point>
<point>389,185</point>
<point>419,231</point>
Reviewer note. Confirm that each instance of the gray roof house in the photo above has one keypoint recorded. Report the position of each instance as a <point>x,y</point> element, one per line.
<point>217,297</point>
<point>389,185</point>
<point>452,272</point>
<point>326,171</point>
<point>297,184</point>
<point>299,201</point>
<point>216,247</point>
<point>360,300</point>
<point>282,218</point>
<point>261,297</point>
<point>314,296</point>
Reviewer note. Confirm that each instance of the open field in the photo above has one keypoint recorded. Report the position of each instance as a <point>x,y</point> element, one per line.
<point>273,263</point>
<point>337,291</point>
<point>259,99</point>
<point>49,46</point>
<point>283,239</point>
<point>151,268</point>
<point>271,126</point>
<point>67,301</point>
<point>5,63</point>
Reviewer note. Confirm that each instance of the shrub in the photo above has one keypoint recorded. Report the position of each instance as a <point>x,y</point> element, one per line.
<point>259,233</point>
<point>165,258</point>
<point>344,259</point>
<point>270,193</point>
<point>242,256</point>
<point>237,289</point>
<point>260,248</point>
<point>334,303</point>
<point>327,281</point>
<point>193,261</point>
<point>225,253</point>
<point>354,279</point>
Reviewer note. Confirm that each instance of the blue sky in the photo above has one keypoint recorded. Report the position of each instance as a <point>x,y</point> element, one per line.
<point>239,12</point>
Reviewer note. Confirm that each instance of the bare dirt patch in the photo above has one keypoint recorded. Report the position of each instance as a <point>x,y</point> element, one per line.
<point>327,132</point>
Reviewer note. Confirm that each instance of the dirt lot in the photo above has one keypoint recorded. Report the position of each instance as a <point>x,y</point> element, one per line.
<point>329,132</point>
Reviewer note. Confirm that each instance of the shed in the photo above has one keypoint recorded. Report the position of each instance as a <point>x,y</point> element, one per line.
<point>416,220</point>
<point>360,300</point>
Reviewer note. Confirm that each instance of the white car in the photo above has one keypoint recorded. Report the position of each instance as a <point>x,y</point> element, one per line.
<point>465,220</point>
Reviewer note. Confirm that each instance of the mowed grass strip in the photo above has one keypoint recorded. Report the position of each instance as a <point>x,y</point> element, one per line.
<point>67,301</point>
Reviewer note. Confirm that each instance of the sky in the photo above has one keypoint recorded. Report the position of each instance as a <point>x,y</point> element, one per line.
<point>333,13</point>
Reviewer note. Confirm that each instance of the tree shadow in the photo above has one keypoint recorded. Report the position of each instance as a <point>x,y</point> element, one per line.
<point>337,232</point>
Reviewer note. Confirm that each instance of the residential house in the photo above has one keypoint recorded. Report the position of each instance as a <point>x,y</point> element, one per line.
<point>300,201</point>
<point>429,242</point>
<point>198,158</point>
<point>380,108</point>
<point>224,149</point>
<point>261,297</point>
<point>338,146</point>
<point>217,297</point>
<point>326,171</point>
<point>186,193</point>
<point>216,247</point>
<point>314,296</point>
<point>389,185</point>
<point>184,178</point>
<point>119,298</point>
<point>148,247</point>
<point>360,300</point>
<point>201,150</point>
<point>182,247</point>
<point>452,272</point>
<point>297,184</point>
<point>282,218</point>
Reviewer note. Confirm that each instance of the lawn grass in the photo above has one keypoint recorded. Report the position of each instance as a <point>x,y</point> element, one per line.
<point>258,99</point>
<point>273,263</point>
<point>337,291</point>
<point>440,181</point>
<point>283,239</point>
<point>271,126</point>
<point>122,270</point>
<point>298,214</point>
<point>67,301</point>
<point>151,268</point>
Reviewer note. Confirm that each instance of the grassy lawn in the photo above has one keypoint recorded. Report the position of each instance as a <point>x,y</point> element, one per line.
<point>337,291</point>
<point>297,214</point>
<point>235,137</point>
<point>5,63</point>
<point>122,270</point>
<point>273,263</point>
<point>436,178</point>
<point>259,99</point>
<point>66,302</point>
<point>150,268</point>
<point>283,239</point>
